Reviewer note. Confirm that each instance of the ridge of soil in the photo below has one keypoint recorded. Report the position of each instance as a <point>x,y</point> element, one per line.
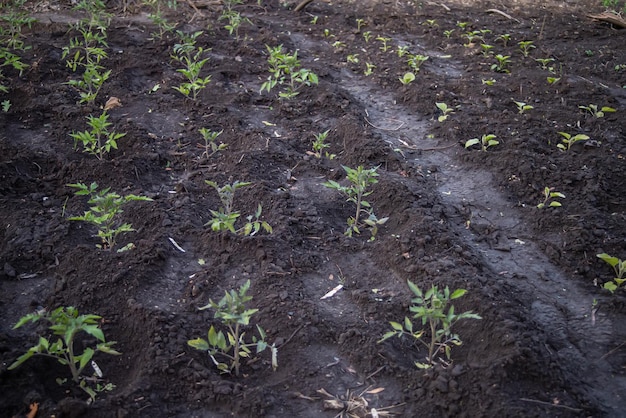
<point>551,340</point>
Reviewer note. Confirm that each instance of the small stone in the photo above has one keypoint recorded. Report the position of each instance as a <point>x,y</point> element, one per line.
<point>9,270</point>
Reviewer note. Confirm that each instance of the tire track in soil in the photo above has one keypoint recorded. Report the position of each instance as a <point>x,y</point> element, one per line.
<point>559,308</point>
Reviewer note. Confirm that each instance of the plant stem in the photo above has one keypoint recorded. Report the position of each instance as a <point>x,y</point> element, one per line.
<point>236,353</point>
<point>433,340</point>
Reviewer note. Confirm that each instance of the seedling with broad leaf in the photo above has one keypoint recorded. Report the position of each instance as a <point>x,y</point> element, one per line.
<point>97,140</point>
<point>522,107</point>
<point>569,140</point>
<point>225,218</point>
<point>407,78</point>
<point>228,350</point>
<point>525,47</point>
<point>619,267</point>
<point>505,38</point>
<point>285,71</point>
<point>598,113</point>
<point>502,63</point>
<point>434,310</point>
<point>485,141</point>
<point>544,62</point>
<point>66,323</point>
<point>445,110</point>
<point>486,49</point>
<point>360,180</point>
<point>104,211</point>
<point>549,197</point>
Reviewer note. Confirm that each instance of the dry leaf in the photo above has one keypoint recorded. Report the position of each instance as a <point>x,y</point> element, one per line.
<point>375,391</point>
<point>34,407</point>
<point>112,103</point>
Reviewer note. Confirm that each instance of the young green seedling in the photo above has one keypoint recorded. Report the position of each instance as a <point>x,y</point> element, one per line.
<point>502,63</point>
<point>553,80</point>
<point>549,199</point>
<point>415,61</point>
<point>489,82</point>
<point>66,323</point>
<point>431,23</point>
<point>525,47</point>
<point>14,16</point>
<point>434,310</point>
<point>522,107</point>
<point>359,24</point>
<point>402,50</point>
<point>369,69</point>
<point>619,267</point>
<point>446,111</point>
<point>569,140</point>
<point>593,110</point>
<point>319,145</point>
<point>232,311</point>
<point>98,140</point>
<point>235,20</point>
<point>210,144</point>
<point>486,49</point>
<point>106,206</point>
<point>485,142</point>
<point>360,180</point>
<point>385,46</point>
<point>505,38</point>
<point>462,25</point>
<point>407,78</point>
<point>224,219</point>
<point>367,35</point>
<point>285,70</point>
<point>157,18</point>
<point>353,58</point>
<point>190,57</point>
<point>544,62</point>
<point>448,33</point>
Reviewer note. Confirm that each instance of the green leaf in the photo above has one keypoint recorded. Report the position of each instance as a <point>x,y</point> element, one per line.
<point>416,290</point>
<point>199,344</point>
<point>471,142</point>
<point>106,348</point>
<point>458,293</point>
<point>93,330</point>
<point>408,325</point>
<point>85,357</point>
<point>21,359</point>
<point>397,326</point>
<point>612,261</point>
<point>388,335</point>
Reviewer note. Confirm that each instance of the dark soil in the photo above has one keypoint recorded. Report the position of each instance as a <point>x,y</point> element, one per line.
<point>551,342</point>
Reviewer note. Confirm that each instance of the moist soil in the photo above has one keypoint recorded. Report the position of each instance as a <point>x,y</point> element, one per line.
<point>551,342</point>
